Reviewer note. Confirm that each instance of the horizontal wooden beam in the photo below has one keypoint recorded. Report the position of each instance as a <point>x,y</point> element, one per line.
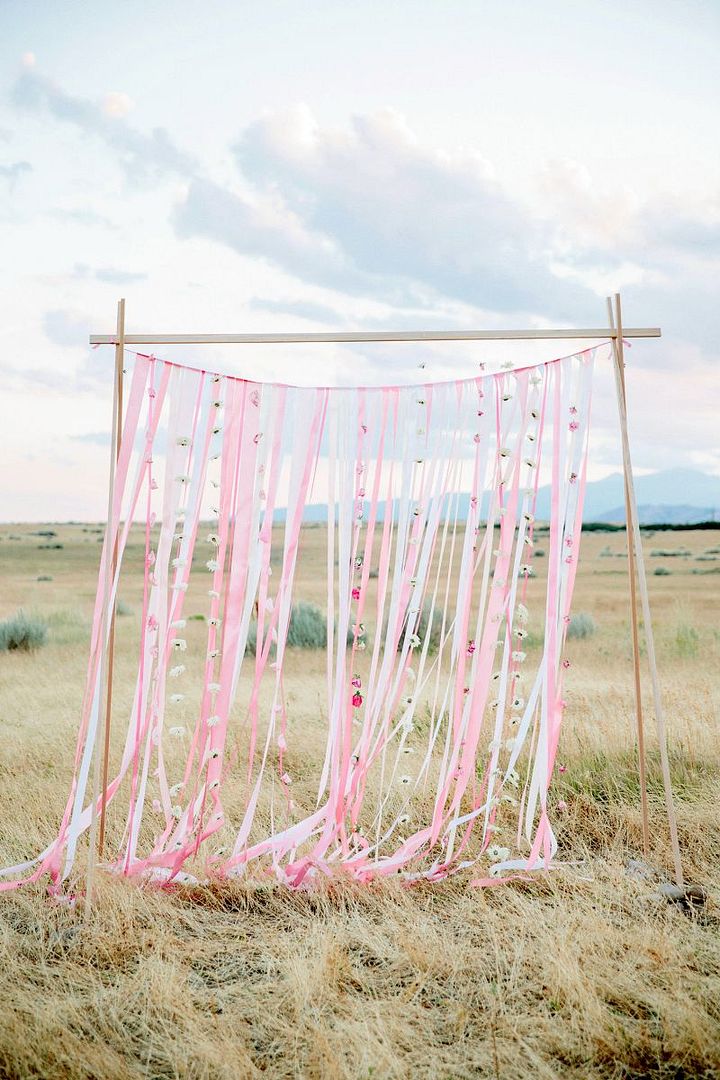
<point>380,335</point>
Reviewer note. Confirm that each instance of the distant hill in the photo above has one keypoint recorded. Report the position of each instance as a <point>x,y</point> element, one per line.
<point>649,514</point>
<point>675,496</point>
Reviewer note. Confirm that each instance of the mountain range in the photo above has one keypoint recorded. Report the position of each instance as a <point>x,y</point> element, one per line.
<point>673,496</point>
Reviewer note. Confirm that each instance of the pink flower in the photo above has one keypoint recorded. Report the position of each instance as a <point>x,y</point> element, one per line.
<point>573,477</point>
<point>356,593</point>
<point>152,623</point>
<point>357,700</point>
<point>356,682</point>
<point>568,541</point>
<point>562,768</point>
<point>562,806</point>
<point>566,663</point>
<point>573,410</point>
<point>573,425</point>
<point>470,648</point>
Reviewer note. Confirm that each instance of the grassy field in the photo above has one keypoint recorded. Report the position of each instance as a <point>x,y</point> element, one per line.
<point>581,973</point>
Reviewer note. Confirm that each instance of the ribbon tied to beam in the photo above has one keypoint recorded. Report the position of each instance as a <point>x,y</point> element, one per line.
<point>426,739</point>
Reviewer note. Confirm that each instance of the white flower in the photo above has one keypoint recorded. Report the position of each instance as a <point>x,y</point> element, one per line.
<point>184,440</point>
<point>212,565</point>
<point>510,744</point>
<point>522,613</point>
<point>518,657</point>
<point>176,812</point>
<point>176,671</point>
<point>212,538</point>
<point>510,800</point>
<point>214,784</point>
<point>406,779</point>
<point>518,703</point>
<point>498,854</point>
<point>520,633</point>
<point>179,562</point>
<point>496,744</point>
<point>408,750</point>
<point>214,754</point>
<point>176,698</point>
<point>528,517</point>
<point>217,404</point>
<point>414,641</point>
<point>181,586</point>
<point>180,644</point>
<point>529,462</point>
<point>213,594</point>
<point>176,732</point>
<point>214,687</point>
<point>504,451</point>
<point>513,778</point>
<point>214,622</point>
<point>178,536</point>
<point>213,721</point>
<point>213,653</point>
<point>403,819</point>
<point>175,790</point>
<point>179,624</point>
<point>183,479</point>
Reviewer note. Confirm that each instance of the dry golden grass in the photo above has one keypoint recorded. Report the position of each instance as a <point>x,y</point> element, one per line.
<point>579,973</point>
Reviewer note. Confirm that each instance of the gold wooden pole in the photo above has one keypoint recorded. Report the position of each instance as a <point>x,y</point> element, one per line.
<point>619,368</point>
<point>634,523</point>
<point>106,615</point>
<point>119,361</point>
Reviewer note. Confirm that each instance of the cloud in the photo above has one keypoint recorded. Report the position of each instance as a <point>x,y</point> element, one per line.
<point>370,209</point>
<point>96,438</point>
<point>304,309</point>
<point>13,172</point>
<point>108,274</point>
<point>66,328</point>
<point>144,157</point>
<point>78,216</point>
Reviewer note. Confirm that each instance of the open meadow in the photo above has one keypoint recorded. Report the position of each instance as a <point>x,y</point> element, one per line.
<point>582,972</point>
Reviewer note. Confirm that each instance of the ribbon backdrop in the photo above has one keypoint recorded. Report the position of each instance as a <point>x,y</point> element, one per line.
<point>440,727</point>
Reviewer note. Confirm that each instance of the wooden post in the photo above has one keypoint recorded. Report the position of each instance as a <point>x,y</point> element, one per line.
<point>619,367</point>
<point>110,565</point>
<point>119,361</point>
<point>634,524</point>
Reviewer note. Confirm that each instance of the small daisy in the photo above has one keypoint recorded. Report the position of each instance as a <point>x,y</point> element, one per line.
<point>177,732</point>
<point>175,672</point>
<point>214,622</point>
<point>406,779</point>
<point>213,594</point>
<point>184,440</point>
<point>498,854</point>
<point>176,812</point>
<point>183,479</point>
<point>518,657</point>
<point>179,624</point>
<point>180,644</point>
<point>213,721</point>
<point>214,687</point>
<point>212,565</point>
<point>175,790</point>
<point>177,698</point>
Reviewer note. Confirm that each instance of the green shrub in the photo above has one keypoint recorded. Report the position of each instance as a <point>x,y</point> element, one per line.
<point>308,627</point>
<point>121,608</point>
<point>431,618</point>
<point>50,547</point>
<point>196,618</point>
<point>662,571</point>
<point>21,631</point>
<point>44,577</point>
<point>581,625</point>
<point>687,640</point>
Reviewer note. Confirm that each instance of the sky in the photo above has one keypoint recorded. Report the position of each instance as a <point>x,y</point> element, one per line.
<point>374,164</point>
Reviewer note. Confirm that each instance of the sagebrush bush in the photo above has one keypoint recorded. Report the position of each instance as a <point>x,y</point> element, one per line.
<point>307,629</point>
<point>581,625</point>
<point>123,608</point>
<point>21,631</point>
<point>430,621</point>
<point>662,571</point>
